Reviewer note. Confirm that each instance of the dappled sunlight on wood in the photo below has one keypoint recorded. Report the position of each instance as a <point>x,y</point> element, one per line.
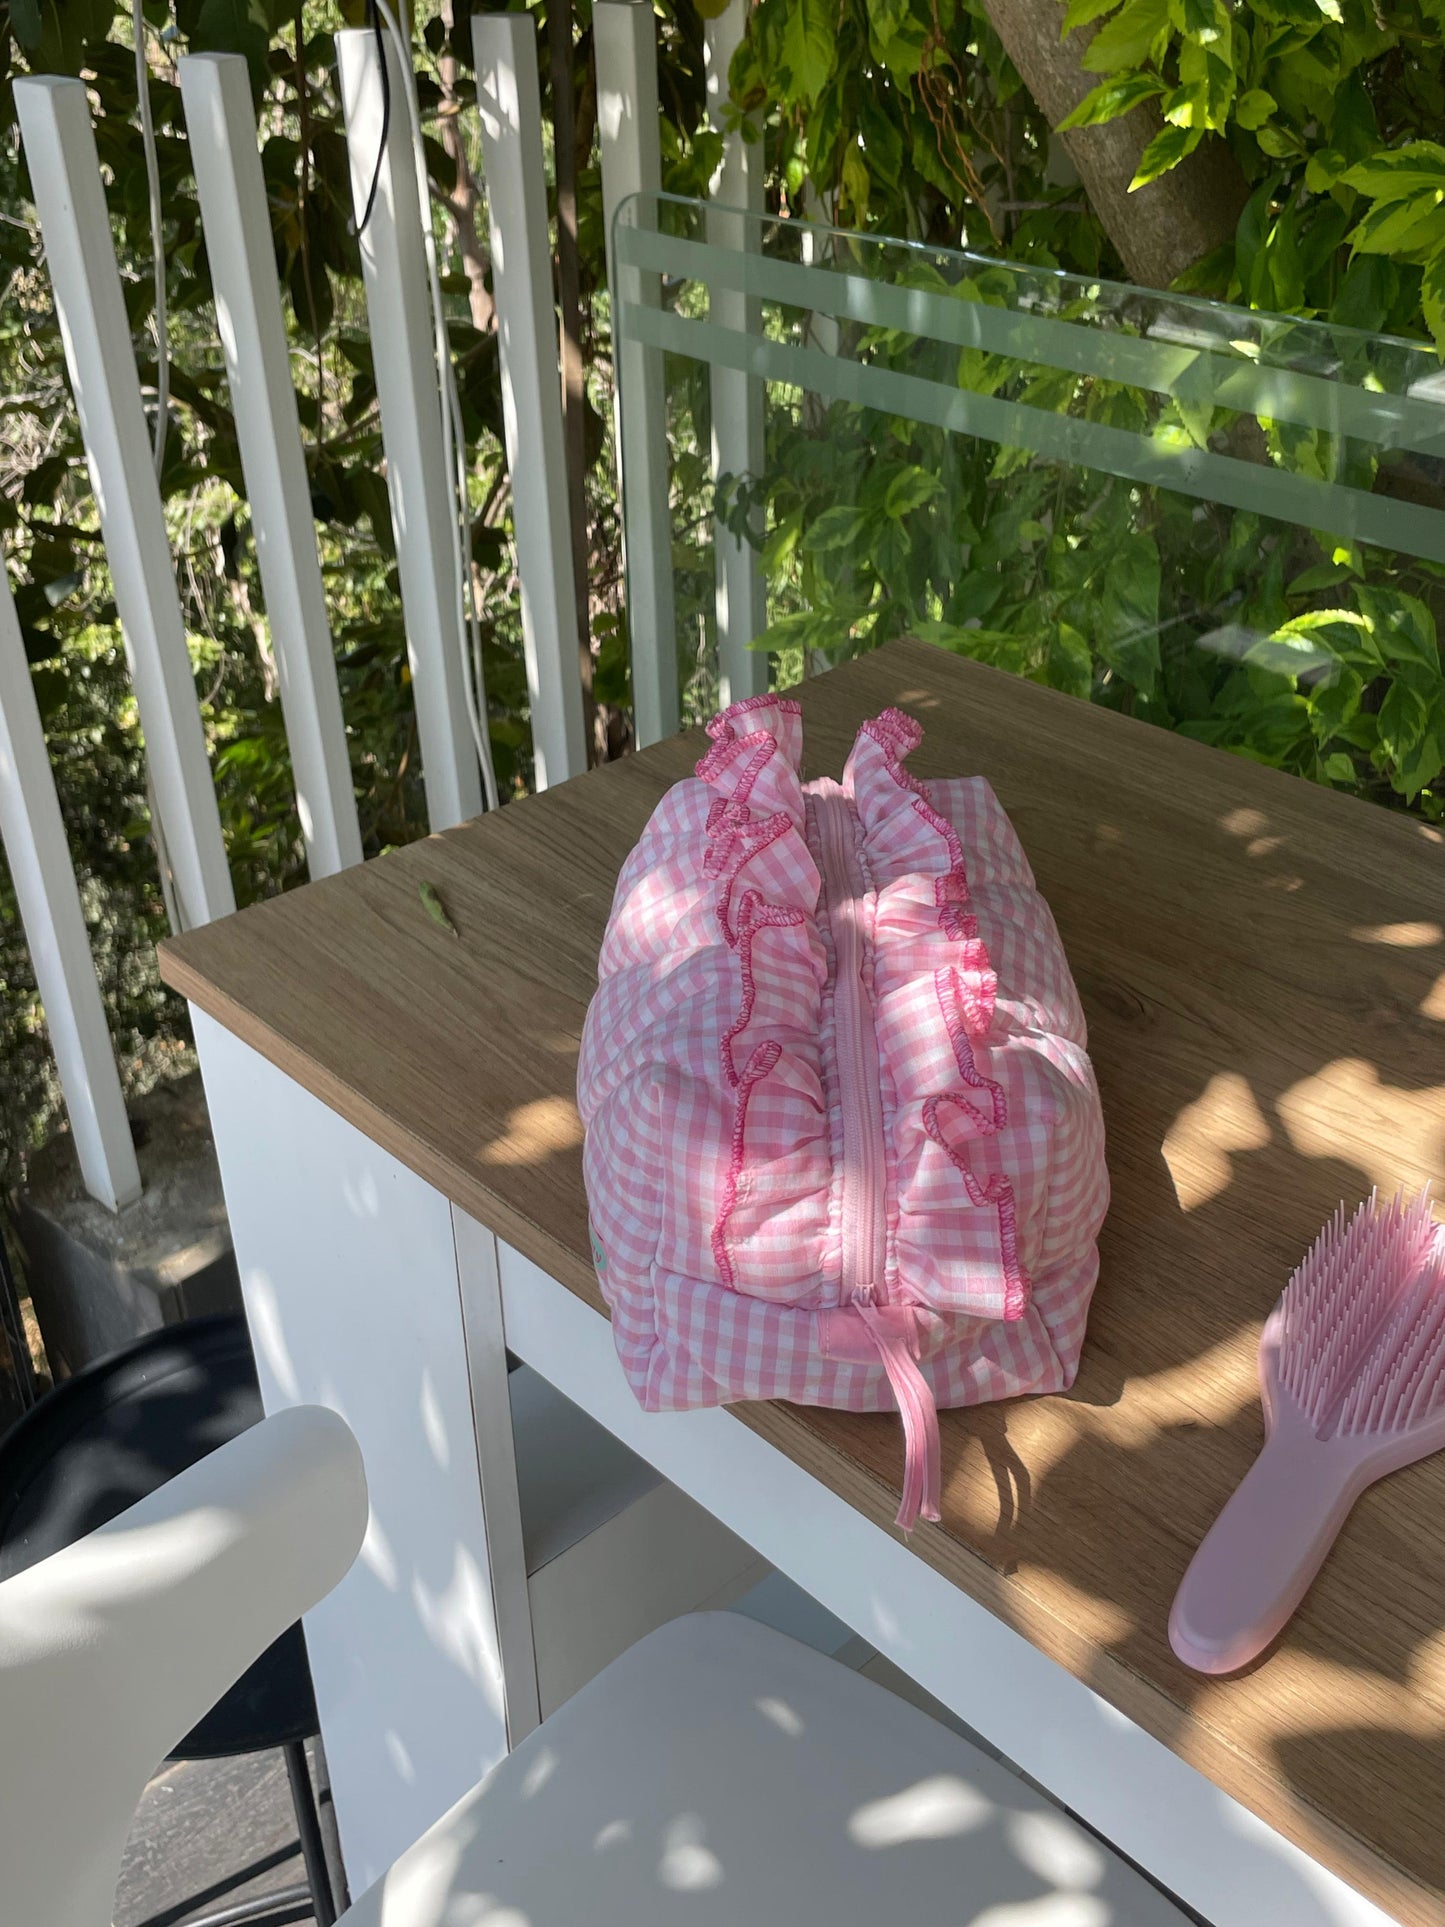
<point>1434,1004</point>
<point>1052,1600</point>
<point>1300,1693</point>
<point>1400,936</point>
<point>1212,1389</point>
<point>1197,1149</point>
<point>1397,1135</point>
<point>535,1131</point>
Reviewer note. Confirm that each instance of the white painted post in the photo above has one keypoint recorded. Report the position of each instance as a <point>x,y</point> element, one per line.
<point>65,174</point>
<point>393,269</point>
<point>405,1654</point>
<point>625,37</point>
<point>505,45</point>
<point>221,123</point>
<point>737,398</point>
<point>40,868</point>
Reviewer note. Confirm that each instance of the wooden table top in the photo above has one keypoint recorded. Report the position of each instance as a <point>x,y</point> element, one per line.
<point>1262,963</point>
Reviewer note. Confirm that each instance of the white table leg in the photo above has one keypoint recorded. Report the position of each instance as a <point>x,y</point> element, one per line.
<point>350,1275</point>
<point>1194,1838</point>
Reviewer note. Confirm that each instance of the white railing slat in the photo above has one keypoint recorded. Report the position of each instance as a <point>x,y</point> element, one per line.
<point>737,398</point>
<point>393,266</point>
<point>65,175</point>
<point>221,122</point>
<point>40,868</point>
<point>505,45</point>
<point>625,38</point>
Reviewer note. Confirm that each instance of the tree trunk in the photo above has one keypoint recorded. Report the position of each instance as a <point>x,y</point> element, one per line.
<point>462,201</point>
<point>1164,228</point>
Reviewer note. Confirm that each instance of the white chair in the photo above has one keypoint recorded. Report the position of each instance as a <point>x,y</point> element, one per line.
<point>717,1775</point>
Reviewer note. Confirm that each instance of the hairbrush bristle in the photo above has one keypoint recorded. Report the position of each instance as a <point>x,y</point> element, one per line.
<point>1362,1341</point>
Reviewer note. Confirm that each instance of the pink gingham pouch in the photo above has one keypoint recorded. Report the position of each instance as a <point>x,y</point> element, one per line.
<point>844,1143</point>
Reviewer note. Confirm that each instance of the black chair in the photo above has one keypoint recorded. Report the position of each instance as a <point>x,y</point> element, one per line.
<point>104,1439</point>
<point>12,1334</point>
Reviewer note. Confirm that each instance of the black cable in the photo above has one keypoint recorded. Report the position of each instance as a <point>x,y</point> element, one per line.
<point>373,15</point>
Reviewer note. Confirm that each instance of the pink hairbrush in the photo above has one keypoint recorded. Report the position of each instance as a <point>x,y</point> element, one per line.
<point>1352,1374</point>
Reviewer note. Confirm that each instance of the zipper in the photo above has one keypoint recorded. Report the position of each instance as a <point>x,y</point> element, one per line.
<point>850,902</point>
<point>888,1331</point>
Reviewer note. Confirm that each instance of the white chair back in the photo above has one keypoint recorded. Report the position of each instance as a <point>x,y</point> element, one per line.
<point>111,1650</point>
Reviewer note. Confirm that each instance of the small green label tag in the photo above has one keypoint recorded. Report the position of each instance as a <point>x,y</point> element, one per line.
<point>599,1256</point>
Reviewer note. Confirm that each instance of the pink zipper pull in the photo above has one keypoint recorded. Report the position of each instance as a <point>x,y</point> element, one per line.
<point>897,1341</point>
<point>890,1332</point>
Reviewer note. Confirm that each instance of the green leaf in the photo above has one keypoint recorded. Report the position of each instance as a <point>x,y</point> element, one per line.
<point>835,528</point>
<point>1111,99</point>
<point>1008,461</point>
<point>1338,768</point>
<point>805,630</point>
<point>1126,620</point>
<point>1298,13</point>
<point>1432,298</point>
<point>1168,148</point>
<point>1053,391</point>
<point>1367,293</point>
<point>1323,575</point>
<point>1068,665</point>
<point>1187,107</point>
<point>1404,722</point>
<point>1253,109</point>
<point>1287,654</point>
<point>1209,74</point>
<point>431,902</point>
<point>1280,143</point>
<point>26,22</point>
<point>1335,704</point>
<point>1252,232</point>
<point>1399,228</point>
<point>782,542</point>
<point>881,135</point>
<point>857,182</point>
<point>1344,634</point>
<point>1315,619</point>
<point>1402,627</point>
<point>900,39</point>
<point>1421,766</point>
<point>1126,40</point>
<point>910,489</point>
<point>1082,13</point>
<point>1399,173</point>
<point>809,47</point>
<point>236,27</point>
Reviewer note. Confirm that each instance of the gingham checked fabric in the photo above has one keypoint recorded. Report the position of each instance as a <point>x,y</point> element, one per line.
<point>731,1160</point>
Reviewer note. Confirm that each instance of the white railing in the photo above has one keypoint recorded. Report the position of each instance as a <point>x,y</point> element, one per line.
<point>414,398</point>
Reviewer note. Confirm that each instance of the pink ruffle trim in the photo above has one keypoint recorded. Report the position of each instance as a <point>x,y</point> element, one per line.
<point>967,994</point>
<point>966,991</point>
<point>997,1190</point>
<point>735,836</point>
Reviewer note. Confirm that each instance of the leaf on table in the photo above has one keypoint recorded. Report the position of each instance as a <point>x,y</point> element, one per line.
<point>435,908</point>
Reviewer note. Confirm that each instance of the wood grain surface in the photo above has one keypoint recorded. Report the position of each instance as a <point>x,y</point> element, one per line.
<point>1263,967</point>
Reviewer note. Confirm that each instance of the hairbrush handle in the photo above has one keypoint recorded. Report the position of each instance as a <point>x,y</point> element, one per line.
<point>1256,1562</point>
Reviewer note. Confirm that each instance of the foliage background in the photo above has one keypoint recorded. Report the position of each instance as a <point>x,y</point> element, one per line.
<point>904,117</point>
